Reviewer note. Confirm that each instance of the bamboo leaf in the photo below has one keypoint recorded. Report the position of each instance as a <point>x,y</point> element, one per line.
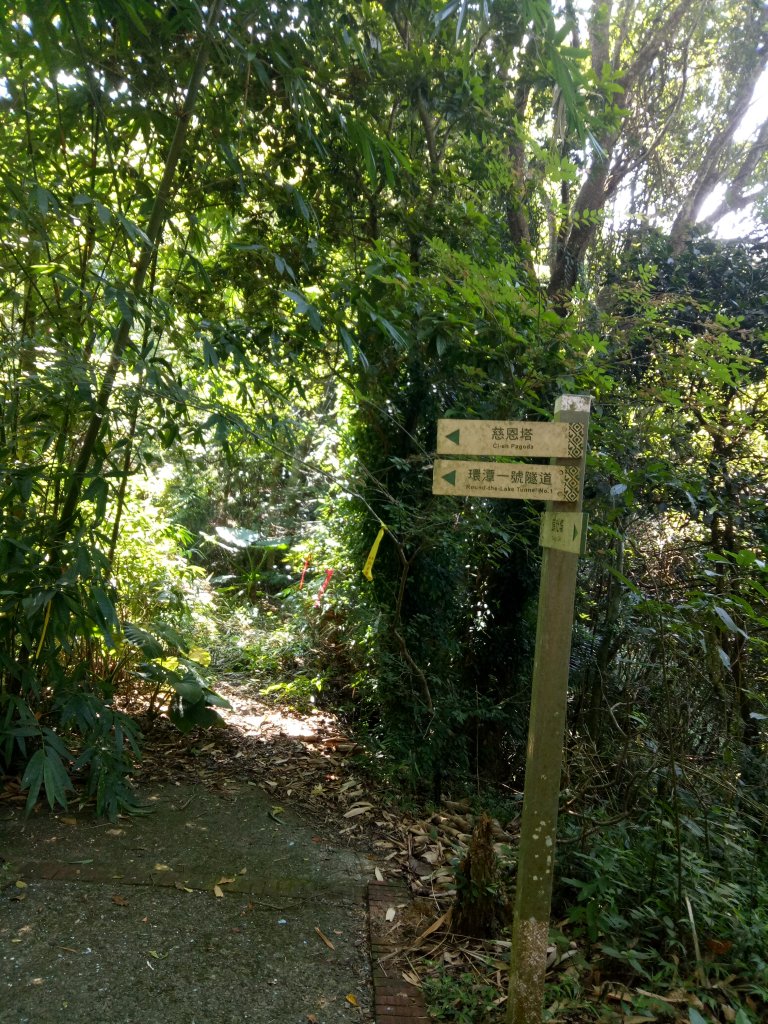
<point>728,622</point>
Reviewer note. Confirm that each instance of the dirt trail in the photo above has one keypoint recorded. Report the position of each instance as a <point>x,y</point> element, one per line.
<point>216,907</point>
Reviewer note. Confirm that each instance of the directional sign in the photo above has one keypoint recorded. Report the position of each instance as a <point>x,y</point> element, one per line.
<point>506,480</point>
<point>566,531</point>
<point>522,438</point>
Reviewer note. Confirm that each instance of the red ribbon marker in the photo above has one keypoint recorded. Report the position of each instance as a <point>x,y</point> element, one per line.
<point>324,586</point>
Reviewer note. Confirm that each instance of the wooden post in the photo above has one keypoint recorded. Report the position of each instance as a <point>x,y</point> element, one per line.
<point>535,868</point>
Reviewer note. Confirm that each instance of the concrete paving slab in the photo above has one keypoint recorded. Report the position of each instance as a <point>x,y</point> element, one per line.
<point>212,909</point>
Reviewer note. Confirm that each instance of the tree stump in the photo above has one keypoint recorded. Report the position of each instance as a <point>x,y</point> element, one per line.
<point>480,909</point>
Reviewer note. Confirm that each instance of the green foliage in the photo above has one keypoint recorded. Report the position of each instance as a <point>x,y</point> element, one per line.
<point>59,634</point>
<point>86,737</point>
<point>651,895</point>
<point>465,999</point>
<point>155,576</point>
<point>107,752</point>
<point>300,692</point>
<point>175,676</point>
<point>253,559</point>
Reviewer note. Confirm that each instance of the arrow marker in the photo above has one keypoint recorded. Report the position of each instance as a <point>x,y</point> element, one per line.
<point>554,531</point>
<point>450,477</point>
<point>454,436</point>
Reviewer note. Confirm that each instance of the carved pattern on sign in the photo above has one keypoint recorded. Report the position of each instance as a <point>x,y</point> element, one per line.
<point>571,484</point>
<point>575,440</point>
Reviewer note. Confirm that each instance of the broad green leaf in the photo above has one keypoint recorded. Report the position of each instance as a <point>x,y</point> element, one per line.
<point>32,778</point>
<point>302,306</point>
<point>33,604</point>
<point>213,699</point>
<point>129,7</point>
<point>98,492</point>
<point>349,348</point>
<point>149,646</point>
<point>728,622</point>
<point>391,330</point>
<point>106,607</point>
<point>56,779</point>
<point>53,741</point>
<point>199,655</point>
<point>133,231</point>
<point>194,716</point>
<point>188,688</point>
<point>103,213</point>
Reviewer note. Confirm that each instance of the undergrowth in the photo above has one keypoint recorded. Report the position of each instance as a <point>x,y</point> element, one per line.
<point>655,922</point>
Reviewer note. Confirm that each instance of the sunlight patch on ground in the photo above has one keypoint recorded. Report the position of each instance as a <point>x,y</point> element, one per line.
<point>252,716</point>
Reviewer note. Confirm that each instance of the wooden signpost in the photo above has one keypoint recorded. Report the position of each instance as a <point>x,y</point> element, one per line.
<point>506,480</point>
<point>563,536</point>
<point>502,437</point>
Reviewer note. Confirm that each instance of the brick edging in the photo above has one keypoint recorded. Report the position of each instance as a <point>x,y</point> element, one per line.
<point>396,1000</point>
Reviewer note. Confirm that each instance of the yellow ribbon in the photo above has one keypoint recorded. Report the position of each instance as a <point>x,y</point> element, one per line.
<point>368,567</point>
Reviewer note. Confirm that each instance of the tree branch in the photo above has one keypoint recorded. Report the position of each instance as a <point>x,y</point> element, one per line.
<point>711,169</point>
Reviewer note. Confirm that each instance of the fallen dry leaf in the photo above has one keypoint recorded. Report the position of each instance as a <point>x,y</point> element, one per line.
<point>162,867</point>
<point>676,996</point>
<point>379,875</point>
<point>419,867</point>
<point>390,914</point>
<point>443,919</point>
<point>358,809</point>
<point>352,1000</point>
<point>325,939</point>
<point>218,891</point>
<point>121,901</point>
<point>225,881</point>
<point>181,888</point>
